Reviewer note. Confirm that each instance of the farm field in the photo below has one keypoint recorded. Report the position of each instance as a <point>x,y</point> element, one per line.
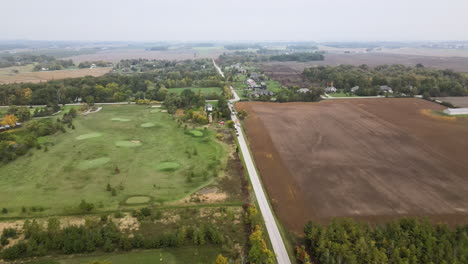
<point>456,101</point>
<point>203,90</point>
<point>124,54</point>
<point>358,158</point>
<point>289,73</point>
<point>36,77</point>
<point>141,152</point>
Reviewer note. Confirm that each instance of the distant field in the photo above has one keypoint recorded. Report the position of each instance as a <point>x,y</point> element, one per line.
<point>35,77</point>
<point>203,90</point>
<point>122,54</point>
<point>429,52</point>
<point>193,255</point>
<point>154,156</point>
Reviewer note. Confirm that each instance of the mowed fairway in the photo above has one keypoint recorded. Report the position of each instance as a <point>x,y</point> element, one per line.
<point>152,160</point>
<point>370,159</point>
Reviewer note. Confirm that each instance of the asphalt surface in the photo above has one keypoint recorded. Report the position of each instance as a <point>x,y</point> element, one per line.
<point>270,223</point>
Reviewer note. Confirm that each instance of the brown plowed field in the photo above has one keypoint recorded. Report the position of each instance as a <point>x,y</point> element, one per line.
<point>370,159</point>
<point>36,77</point>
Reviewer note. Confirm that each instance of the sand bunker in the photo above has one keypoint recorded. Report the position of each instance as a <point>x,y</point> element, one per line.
<point>94,163</point>
<point>147,125</point>
<point>89,135</point>
<point>168,166</point>
<point>138,199</point>
<point>120,119</point>
<point>155,111</point>
<point>128,144</point>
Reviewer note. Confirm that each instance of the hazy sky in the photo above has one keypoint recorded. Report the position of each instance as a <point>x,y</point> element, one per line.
<point>237,20</point>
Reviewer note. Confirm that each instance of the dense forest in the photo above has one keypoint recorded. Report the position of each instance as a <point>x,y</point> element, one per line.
<point>402,79</point>
<point>408,241</point>
<point>152,84</point>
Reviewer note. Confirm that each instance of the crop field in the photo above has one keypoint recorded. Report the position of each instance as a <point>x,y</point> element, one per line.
<point>36,77</point>
<point>125,54</point>
<point>203,90</point>
<point>141,153</point>
<point>369,159</point>
<point>459,101</point>
<point>289,73</point>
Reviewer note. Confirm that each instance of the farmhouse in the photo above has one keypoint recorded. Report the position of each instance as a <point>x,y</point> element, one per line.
<point>259,92</point>
<point>330,89</point>
<point>456,111</point>
<point>208,108</point>
<point>303,90</point>
<point>251,83</point>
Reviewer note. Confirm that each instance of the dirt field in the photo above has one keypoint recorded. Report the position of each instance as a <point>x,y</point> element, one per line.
<point>456,101</point>
<point>35,77</point>
<point>288,73</point>
<point>117,55</point>
<point>370,159</point>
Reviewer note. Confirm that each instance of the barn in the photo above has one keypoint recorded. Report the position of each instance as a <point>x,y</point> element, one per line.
<point>456,111</point>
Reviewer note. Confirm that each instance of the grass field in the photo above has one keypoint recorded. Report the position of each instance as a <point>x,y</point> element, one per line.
<point>35,77</point>
<point>340,94</point>
<point>80,163</point>
<point>194,255</point>
<point>204,90</point>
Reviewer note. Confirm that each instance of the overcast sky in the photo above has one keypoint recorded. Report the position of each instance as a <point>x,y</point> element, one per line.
<point>234,20</point>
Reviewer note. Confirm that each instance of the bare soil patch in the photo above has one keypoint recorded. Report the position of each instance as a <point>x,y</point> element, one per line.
<point>36,77</point>
<point>460,101</point>
<point>369,159</point>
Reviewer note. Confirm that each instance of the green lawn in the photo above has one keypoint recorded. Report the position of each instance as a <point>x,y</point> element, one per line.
<point>203,90</point>
<point>341,94</point>
<point>81,162</point>
<point>193,255</point>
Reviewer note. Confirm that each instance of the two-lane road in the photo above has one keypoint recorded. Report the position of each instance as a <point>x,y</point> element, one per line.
<point>270,223</point>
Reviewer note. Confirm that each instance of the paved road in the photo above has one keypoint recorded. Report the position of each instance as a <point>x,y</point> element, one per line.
<point>273,231</point>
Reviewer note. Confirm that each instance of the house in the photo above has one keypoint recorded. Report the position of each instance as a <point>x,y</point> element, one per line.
<point>303,90</point>
<point>255,76</point>
<point>263,85</point>
<point>386,88</point>
<point>93,66</point>
<point>251,83</point>
<point>2,128</point>
<point>208,108</point>
<point>261,92</point>
<point>330,89</point>
<point>354,89</point>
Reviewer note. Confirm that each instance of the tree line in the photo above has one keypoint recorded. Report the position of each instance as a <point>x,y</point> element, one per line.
<point>417,80</point>
<point>151,85</point>
<point>101,235</point>
<point>405,241</point>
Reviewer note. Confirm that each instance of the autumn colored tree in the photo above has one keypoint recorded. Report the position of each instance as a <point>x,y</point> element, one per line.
<point>259,252</point>
<point>221,260</point>
<point>10,120</point>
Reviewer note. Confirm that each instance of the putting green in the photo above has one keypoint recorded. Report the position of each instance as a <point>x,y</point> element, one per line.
<point>138,199</point>
<point>128,144</point>
<point>120,119</point>
<point>147,125</point>
<point>89,164</point>
<point>196,133</point>
<point>89,135</point>
<point>168,166</point>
